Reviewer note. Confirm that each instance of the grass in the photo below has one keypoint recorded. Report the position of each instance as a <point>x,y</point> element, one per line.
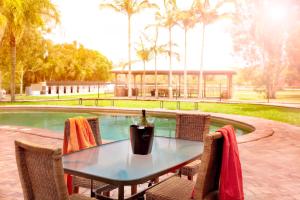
<point>286,96</point>
<point>287,115</point>
<point>52,97</point>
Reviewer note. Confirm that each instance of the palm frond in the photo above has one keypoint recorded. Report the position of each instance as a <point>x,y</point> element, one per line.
<point>138,7</point>
<point>110,6</point>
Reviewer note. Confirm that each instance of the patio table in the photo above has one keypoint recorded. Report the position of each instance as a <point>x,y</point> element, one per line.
<point>114,163</point>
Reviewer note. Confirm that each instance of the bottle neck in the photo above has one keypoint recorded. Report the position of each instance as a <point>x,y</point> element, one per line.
<point>143,119</point>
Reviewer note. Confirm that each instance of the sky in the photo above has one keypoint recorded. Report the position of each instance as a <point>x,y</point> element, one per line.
<point>105,30</point>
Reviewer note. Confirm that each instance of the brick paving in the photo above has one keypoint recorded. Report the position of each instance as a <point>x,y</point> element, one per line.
<point>271,165</point>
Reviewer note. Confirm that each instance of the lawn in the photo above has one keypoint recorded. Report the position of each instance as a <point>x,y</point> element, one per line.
<point>283,96</point>
<point>287,115</point>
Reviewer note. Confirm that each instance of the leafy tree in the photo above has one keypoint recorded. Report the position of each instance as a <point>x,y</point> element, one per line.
<point>19,15</point>
<point>129,8</point>
<point>40,60</point>
<point>2,25</point>
<point>30,57</point>
<point>293,52</point>
<point>73,62</point>
<point>263,42</point>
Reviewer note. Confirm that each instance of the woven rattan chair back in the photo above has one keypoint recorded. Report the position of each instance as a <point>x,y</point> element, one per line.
<point>94,124</point>
<point>192,126</point>
<point>41,172</point>
<point>211,160</point>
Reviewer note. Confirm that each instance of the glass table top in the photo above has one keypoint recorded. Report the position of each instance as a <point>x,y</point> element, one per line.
<point>116,164</point>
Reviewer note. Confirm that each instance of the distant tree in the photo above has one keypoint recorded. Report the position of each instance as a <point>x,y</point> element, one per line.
<point>40,60</point>
<point>73,62</point>
<point>263,42</point>
<point>293,54</point>
<point>19,15</point>
<point>144,53</point>
<point>208,14</point>
<point>168,20</point>
<point>158,49</point>
<point>129,8</point>
<point>30,58</point>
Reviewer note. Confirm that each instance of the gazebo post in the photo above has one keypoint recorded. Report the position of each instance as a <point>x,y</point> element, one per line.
<point>199,85</point>
<point>141,84</point>
<point>229,85</point>
<point>204,86</point>
<point>179,94</point>
<point>156,86</point>
<point>116,83</point>
<point>202,89</point>
<point>134,81</point>
<point>170,86</point>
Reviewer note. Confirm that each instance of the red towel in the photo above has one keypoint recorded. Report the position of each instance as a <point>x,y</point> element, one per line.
<point>231,180</point>
<point>81,137</point>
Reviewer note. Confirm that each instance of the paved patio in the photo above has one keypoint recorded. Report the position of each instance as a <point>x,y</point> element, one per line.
<point>270,165</point>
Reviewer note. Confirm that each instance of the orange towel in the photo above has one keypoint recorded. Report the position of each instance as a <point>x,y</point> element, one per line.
<point>231,179</point>
<point>81,137</point>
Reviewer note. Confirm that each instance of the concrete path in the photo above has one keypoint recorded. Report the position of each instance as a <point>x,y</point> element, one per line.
<point>271,165</point>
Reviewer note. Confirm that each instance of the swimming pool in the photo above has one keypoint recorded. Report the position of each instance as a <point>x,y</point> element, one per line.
<point>112,127</point>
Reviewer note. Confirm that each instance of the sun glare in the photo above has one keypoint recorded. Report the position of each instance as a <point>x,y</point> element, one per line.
<point>277,13</point>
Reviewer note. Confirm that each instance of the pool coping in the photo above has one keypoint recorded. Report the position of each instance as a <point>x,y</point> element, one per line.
<point>258,131</point>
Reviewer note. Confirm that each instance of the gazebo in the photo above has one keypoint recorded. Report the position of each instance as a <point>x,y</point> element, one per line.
<point>218,90</point>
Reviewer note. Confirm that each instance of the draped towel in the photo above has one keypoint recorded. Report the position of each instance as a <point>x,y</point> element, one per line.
<point>231,180</point>
<point>81,137</point>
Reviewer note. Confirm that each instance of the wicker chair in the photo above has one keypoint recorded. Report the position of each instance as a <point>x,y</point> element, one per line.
<point>41,173</point>
<point>207,184</point>
<point>84,182</point>
<point>192,127</point>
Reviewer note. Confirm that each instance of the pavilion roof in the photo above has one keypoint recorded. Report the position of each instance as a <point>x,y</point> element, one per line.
<point>177,72</point>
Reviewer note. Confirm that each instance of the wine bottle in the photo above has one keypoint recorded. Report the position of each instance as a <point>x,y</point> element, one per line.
<point>143,121</point>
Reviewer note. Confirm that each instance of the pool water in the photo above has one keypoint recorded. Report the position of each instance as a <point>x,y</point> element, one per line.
<point>112,127</point>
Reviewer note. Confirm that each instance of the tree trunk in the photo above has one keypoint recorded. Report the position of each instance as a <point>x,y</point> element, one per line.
<point>200,95</point>
<point>143,80</point>
<point>0,85</point>
<point>21,81</point>
<point>155,65</point>
<point>170,64</point>
<point>129,57</point>
<point>185,90</point>
<point>155,61</point>
<point>13,54</point>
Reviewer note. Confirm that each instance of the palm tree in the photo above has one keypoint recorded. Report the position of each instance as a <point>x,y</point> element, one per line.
<point>154,48</point>
<point>187,20</point>
<point>169,21</point>
<point>129,8</point>
<point>208,14</point>
<point>144,54</point>
<point>158,49</point>
<point>19,15</point>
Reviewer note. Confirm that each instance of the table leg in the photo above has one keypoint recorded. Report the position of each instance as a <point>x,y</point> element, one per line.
<point>121,192</point>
